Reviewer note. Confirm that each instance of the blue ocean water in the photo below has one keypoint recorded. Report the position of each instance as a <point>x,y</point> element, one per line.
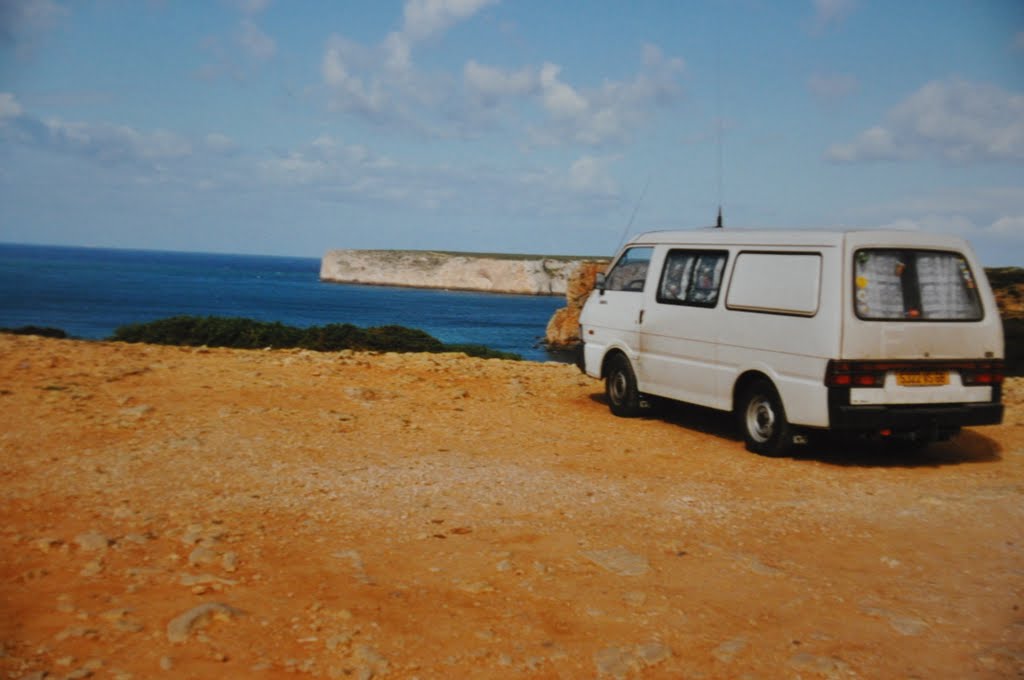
<point>89,292</point>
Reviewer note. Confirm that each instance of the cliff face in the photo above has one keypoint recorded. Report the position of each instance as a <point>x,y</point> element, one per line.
<point>563,330</point>
<point>523,275</point>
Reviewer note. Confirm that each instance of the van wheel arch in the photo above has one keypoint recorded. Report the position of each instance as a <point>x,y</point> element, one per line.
<point>743,384</point>
<point>607,360</point>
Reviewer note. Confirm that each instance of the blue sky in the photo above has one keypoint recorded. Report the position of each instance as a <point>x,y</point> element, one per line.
<point>273,127</point>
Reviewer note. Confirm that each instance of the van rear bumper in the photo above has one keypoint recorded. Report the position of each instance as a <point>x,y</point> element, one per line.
<point>933,417</point>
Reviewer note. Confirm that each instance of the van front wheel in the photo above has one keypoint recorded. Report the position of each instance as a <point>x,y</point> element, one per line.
<point>763,420</point>
<point>620,388</point>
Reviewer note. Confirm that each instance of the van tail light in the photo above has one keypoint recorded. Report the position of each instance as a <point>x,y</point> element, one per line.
<point>872,373</point>
<point>984,373</point>
<point>854,374</point>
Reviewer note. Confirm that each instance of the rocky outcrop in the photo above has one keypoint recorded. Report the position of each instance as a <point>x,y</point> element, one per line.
<point>520,274</point>
<point>564,328</point>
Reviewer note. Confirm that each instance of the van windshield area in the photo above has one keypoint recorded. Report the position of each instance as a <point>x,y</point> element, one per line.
<point>914,285</point>
<point>630,271</point>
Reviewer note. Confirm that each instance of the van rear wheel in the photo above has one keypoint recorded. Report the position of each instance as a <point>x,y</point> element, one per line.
<point>763,420</point>
<point>620,387</point>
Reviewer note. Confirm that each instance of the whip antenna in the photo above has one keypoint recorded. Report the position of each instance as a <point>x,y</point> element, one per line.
<point>718,119</point>
<point>636,207</point>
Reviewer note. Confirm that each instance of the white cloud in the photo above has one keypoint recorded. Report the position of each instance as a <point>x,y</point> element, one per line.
<point>831,88</point>
<point>9,106</point>
<point>250,7</point>
<point>255,42</point>
<point>103,143</point>
<point>957,225</point>
<point>591,175</point>
<point>997,240</point>
<point>612,112</point>
<point>109,143</point>
<point>952,120</point>
<point>488,84</point>
<point>382,84</point>
<point>332,170</point>
<point>828,13</point>
<point>220,143</point>
<point>1009,226</point>
<point>398,50</point>
<point>991,218</point>
<point>235,52</point>
<point>560,100</point>
<point>349,92</point>
<point>423,19</point>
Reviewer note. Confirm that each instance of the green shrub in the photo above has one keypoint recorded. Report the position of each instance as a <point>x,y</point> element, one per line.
<point>237,333</point>
<point>1004,277</point>
<point>1013,330</point>
<point>332,337</point>
<point>481,351</point>
<point>210,331</point>
<point>401,339</point>
<point>42,331</point>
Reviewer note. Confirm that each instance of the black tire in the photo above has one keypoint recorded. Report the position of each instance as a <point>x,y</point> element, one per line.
<point>620,387</point>
<point>762,419</point>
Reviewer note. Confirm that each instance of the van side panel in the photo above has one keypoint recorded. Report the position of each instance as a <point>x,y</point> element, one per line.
<point>781,283</point>
<point>679,355</point>
<point>791,348</point>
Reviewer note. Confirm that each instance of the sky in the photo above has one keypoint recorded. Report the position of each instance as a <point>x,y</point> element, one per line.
<point>514,126</point>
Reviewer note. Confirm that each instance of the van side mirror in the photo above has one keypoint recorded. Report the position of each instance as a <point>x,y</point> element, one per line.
<point>599,282</point>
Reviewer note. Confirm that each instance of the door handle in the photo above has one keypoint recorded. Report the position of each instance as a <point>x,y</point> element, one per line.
<point>640,320</point>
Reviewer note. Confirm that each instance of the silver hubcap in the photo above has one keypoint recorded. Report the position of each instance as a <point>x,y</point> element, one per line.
<point>618,386</point>
<point>760,419</point>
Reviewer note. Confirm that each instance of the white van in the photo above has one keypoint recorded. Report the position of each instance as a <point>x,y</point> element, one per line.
<point>889,333</point>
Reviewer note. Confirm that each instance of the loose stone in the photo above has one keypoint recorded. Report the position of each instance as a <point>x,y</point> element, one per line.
<point>179,628</point>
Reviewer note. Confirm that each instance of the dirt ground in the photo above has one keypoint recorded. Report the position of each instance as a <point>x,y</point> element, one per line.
<point>205,513</point>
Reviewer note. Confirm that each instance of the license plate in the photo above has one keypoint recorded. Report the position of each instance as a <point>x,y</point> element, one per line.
<point>926,379</point>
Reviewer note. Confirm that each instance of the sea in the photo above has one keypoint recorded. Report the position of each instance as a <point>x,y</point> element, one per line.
<point>89,292</point>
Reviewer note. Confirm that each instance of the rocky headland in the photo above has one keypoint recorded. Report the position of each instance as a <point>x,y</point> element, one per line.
<point>491,273</point>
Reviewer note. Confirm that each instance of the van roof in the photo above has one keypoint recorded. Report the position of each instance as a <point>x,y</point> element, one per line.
<point>800,237</point>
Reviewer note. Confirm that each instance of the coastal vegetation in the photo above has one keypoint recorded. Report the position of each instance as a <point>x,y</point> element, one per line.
<point>41,331</point>
<point>213,331</point>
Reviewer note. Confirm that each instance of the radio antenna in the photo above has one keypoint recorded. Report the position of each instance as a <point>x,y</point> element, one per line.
<point>718,119</point>
<point>636,207</point>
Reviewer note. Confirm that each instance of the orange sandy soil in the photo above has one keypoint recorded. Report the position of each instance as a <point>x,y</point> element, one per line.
<point>436,516</point>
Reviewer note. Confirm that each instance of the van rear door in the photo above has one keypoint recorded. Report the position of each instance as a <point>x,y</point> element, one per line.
<point>925,306</point>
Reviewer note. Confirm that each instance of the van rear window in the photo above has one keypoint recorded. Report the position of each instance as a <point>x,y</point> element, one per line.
<point>914,285</point>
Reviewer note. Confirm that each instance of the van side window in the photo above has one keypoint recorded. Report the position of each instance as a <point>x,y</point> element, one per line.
<point>692,277</point>
<point>630,272</point>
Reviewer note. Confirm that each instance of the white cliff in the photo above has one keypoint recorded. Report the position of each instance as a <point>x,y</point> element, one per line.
<point>521,274</point>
